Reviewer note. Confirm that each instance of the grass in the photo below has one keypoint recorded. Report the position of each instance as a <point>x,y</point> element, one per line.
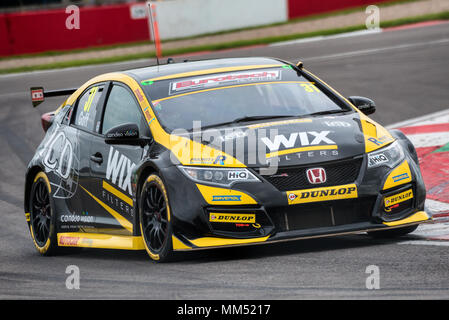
<point>226,45</point>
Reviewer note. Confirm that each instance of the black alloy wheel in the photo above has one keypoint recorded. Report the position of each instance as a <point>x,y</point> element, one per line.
<point>155,219</point>
<point>41,214</point>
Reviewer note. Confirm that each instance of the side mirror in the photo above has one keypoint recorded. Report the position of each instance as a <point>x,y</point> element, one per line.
<point>365,105</point>
<point>127,134</point>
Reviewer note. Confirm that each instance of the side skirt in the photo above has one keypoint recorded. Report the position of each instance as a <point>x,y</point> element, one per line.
<point>102,241</point>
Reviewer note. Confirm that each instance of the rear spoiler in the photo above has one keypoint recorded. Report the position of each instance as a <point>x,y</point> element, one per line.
<point>38,94</point>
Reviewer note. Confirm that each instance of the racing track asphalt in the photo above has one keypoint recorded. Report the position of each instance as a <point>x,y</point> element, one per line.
<point>405,72</point>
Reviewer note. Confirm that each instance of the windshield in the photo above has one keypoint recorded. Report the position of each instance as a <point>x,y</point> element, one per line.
<point>221,99</point>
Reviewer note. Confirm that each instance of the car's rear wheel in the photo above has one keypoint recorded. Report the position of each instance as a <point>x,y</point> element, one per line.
<point>42,216</point>
<point>393,233</point>
<point>154,214</point>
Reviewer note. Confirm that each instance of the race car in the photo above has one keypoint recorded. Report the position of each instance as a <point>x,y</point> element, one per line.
<point>215,153</point>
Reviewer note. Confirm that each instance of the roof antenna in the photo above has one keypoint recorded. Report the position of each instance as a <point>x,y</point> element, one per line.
<point>154,29</point>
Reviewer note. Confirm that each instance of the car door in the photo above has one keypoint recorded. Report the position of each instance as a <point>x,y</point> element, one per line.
<point>112,165</point>
<point>78,133</point>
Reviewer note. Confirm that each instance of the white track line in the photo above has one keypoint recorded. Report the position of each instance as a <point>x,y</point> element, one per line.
<point>320,38</point>
<point>431,118</point>
<point>377,50</point>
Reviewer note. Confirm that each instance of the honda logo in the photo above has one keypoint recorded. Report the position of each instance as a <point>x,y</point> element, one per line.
<point>316,175</point>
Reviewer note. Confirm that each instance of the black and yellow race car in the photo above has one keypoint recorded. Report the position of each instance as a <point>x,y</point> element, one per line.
<point>215,153</point>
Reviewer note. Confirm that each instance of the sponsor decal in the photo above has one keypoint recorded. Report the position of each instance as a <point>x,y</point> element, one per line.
<point>68,241</point>
<point>398,198</point>
<point>75,218</point>
<point>126,134</point>
<point>377,159</point>
<point>292,196</point>
<point>306,138</point>
<point>237,175</point>
<point>223,79</point>
<point>400,177</point>
<point>218,160</point>
<point>37,95</point>
<point>348,191</point>
<point>116,199</point>
<point>316,175</point>
<point>303,155</point>
<point>119,170</point>
<point>380,140</point>
<point>375,141</point>
<point>147,82</point>
<point>235,134</point>
<point>139,95</point>
<point>226,198</point>
<point>232,218</point>
<point>60,156</point>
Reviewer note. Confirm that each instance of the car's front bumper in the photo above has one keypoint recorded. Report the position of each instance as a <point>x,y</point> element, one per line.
<point>278,218</point>
<point>181,243</point>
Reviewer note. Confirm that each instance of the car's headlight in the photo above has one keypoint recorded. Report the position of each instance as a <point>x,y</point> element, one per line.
<point>389,156</point>
<point>219,176</point>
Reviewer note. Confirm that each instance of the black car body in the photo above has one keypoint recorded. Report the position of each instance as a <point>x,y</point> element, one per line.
<point>277,155</point>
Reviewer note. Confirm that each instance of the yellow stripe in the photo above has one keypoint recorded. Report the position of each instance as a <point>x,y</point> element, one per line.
<point>216,70</point>
<point>216,242</point>
<point>117,193</point>
<point>178,244</point>
<point>276,123</point>
<point>103,241</point>
<point>420,216</point>
<point>288,151</point>
<point>217,196</point>
<point>125,223</point>
<point>90,99</point>
<point>227,87</point>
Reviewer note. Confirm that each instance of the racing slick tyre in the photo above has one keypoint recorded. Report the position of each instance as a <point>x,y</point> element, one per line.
<point>154,217</point>
<point>42,216</point>
<point>392,233</point>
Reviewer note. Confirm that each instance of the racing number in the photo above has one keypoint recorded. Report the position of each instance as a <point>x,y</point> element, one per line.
<point>91,98</point>
<point>309,87</point>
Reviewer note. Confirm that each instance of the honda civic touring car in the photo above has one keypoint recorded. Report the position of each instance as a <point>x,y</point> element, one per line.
<point>215,153</point>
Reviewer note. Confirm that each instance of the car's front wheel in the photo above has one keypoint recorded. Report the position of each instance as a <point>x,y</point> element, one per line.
<point>42,216</point>
<point>154,216</point>
<point>393,233</point>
